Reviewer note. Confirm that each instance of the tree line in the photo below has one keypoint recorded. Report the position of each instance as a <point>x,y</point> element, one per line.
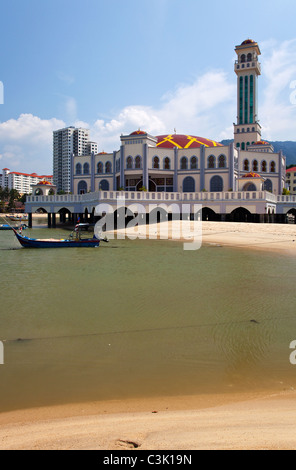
<point>8,198</point>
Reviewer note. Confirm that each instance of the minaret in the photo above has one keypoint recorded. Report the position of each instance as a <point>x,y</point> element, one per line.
<point>247,130</point>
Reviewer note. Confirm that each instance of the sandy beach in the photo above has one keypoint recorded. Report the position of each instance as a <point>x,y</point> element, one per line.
<point>267,237</point>
<point>267,422</point>
<point>263,420</point>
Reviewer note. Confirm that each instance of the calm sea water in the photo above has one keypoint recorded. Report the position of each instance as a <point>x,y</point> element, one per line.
<point>142,318</point>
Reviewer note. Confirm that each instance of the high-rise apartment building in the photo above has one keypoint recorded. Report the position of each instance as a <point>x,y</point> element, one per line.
<point>67,142</point>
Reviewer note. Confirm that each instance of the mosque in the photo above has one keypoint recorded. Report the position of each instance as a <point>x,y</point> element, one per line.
<point>243,181</point>
<point>189,163</point>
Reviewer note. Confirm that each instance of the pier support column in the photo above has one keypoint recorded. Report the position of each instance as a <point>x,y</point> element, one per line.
<point>49,220</point>
<point>53,217</point>
<point>30,220</point>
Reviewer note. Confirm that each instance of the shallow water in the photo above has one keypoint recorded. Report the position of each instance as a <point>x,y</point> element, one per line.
<point>142,318</point>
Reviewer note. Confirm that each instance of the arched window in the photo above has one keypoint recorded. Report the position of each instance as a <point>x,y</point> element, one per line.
<point>129,163</point>
<point>167,163</point>
<point>100,167</point>
<point>246,165</point>
<point>263,166</point>
<point>216,184</point>
<point>243,146</point>
<point>155,163</point>
<point>243,58</point>
<point>222,161</point>
<point>267,186</point>
<point>82,187</point>
<point>249,57</point>
<point>255,165</point>
<point>108,167</point>
<point>86,169</point>
<point>104,185</point>
<point>249,187</point>
<point>78,169</point>
<point>193,163</point>
<point>188,185</point>
<point>138,162</point>
<point>184,165</point>
<point>211,161</point>
<point>272,167</point>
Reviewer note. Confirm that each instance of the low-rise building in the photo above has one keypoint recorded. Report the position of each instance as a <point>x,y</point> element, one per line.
<point>291,179</point>
<point>22,182</point>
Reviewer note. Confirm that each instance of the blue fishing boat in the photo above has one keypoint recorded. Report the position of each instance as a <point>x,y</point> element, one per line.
<point>74,241</point>
<point>9,227</point>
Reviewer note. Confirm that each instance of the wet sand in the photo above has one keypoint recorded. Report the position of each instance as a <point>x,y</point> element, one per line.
<point>280,238</point>
<point>267,422</point>
<point>231,421</point>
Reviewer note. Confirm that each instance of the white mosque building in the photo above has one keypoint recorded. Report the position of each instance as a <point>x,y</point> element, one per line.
<point>243,181</point>
<point>189,163</point>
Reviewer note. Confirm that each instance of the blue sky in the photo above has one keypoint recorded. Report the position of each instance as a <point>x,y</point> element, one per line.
<point>115,66</point>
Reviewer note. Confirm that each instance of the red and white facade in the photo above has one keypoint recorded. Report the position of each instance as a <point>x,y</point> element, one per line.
<point>22,182</point>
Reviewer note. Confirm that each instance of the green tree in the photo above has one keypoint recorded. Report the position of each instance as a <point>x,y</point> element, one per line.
<point>14,195</point>
<point>4,194</point>
<point>23,198</point>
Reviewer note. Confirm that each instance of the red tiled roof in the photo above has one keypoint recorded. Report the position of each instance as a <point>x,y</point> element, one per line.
<point>184,141</point>
<point>138,133</point>
<point>261,142</point>
<point>291,169</point>
<point>251,175</point>
<point>248,41</point>
<point>33,175</point>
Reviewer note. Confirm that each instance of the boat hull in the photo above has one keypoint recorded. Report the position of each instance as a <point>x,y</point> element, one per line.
<point>8,227</point>
<point>36,243</point>
<point>18,219</point>
<point>5,227</point>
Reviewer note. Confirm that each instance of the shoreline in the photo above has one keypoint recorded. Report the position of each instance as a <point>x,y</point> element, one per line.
<point>276,238</point>
<point>230,422</point>
<point>246,420</point>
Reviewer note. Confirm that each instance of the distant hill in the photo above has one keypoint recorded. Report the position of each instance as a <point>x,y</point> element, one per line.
<point>288,147</point>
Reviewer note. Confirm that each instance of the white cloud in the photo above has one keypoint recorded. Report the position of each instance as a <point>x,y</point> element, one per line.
<point>205,107</point>
<point>277,113</point>
<point>194,108</point>
<point>26,143</point>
